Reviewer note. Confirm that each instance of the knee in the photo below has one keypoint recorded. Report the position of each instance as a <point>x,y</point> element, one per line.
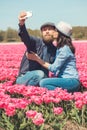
<point>18,81</point>
<point>40,74</point>
<point>42,83</point>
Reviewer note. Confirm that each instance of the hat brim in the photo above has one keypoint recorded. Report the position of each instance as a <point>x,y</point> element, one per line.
<point>47,24</point>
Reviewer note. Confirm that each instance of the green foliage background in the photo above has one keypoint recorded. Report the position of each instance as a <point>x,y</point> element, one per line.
<point>11,35</point>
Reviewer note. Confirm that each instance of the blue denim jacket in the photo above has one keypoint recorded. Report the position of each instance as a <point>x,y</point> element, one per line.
<point>64,65</point>
<point>46,52</point>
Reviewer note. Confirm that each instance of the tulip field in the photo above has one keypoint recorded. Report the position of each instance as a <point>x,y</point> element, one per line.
<point>11,54</point>
<point>35,108</point>
<point>81,58</point>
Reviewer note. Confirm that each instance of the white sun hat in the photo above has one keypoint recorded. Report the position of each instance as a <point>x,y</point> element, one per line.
<point>64,28</point>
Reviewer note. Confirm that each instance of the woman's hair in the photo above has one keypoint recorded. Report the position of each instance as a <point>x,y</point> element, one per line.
<point>64,40</point>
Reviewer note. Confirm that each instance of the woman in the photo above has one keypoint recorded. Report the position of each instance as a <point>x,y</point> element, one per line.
<point>64,66</point>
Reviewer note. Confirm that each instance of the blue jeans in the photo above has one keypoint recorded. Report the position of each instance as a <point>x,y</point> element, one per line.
<point>30,78</point>
<point>70,84</point>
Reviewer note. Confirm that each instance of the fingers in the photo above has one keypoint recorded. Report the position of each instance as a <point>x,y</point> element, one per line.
<point>30,55</point>
<point>33,53</point>
<point>27,54</point>
<point>22,17</point>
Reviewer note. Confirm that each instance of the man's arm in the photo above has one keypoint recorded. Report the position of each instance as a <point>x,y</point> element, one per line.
<point>24,35</point>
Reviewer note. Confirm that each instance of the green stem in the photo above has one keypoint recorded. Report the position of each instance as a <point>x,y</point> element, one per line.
<point>83,120</point>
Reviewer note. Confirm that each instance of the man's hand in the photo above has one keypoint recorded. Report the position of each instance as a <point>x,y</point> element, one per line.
<point>22,17</point>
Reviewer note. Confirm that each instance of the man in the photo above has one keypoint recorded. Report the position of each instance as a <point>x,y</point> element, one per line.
<point>31,72</point>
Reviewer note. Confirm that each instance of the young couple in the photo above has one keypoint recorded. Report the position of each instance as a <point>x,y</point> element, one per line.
<point>54,52</point>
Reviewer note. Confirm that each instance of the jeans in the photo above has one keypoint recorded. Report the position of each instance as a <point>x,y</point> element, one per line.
<point>70,84</point>
<point>30,78</point>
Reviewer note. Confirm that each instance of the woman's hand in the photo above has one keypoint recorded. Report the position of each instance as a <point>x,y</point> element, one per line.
<point>32,56</point>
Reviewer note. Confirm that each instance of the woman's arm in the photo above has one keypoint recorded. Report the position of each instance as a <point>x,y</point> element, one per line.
<point>61,58</point>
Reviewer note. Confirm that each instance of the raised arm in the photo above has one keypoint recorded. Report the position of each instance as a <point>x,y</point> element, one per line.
<point>22,18</point>
<point>28,40</point>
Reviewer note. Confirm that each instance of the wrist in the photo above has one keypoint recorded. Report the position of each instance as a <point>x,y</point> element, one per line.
<point>21,23</point>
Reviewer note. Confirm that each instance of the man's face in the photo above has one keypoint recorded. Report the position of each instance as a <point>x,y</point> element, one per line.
<point>47,33</point>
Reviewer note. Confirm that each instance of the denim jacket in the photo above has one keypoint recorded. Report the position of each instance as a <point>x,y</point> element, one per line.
<point>64,65</point>
<point>46,52</point>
